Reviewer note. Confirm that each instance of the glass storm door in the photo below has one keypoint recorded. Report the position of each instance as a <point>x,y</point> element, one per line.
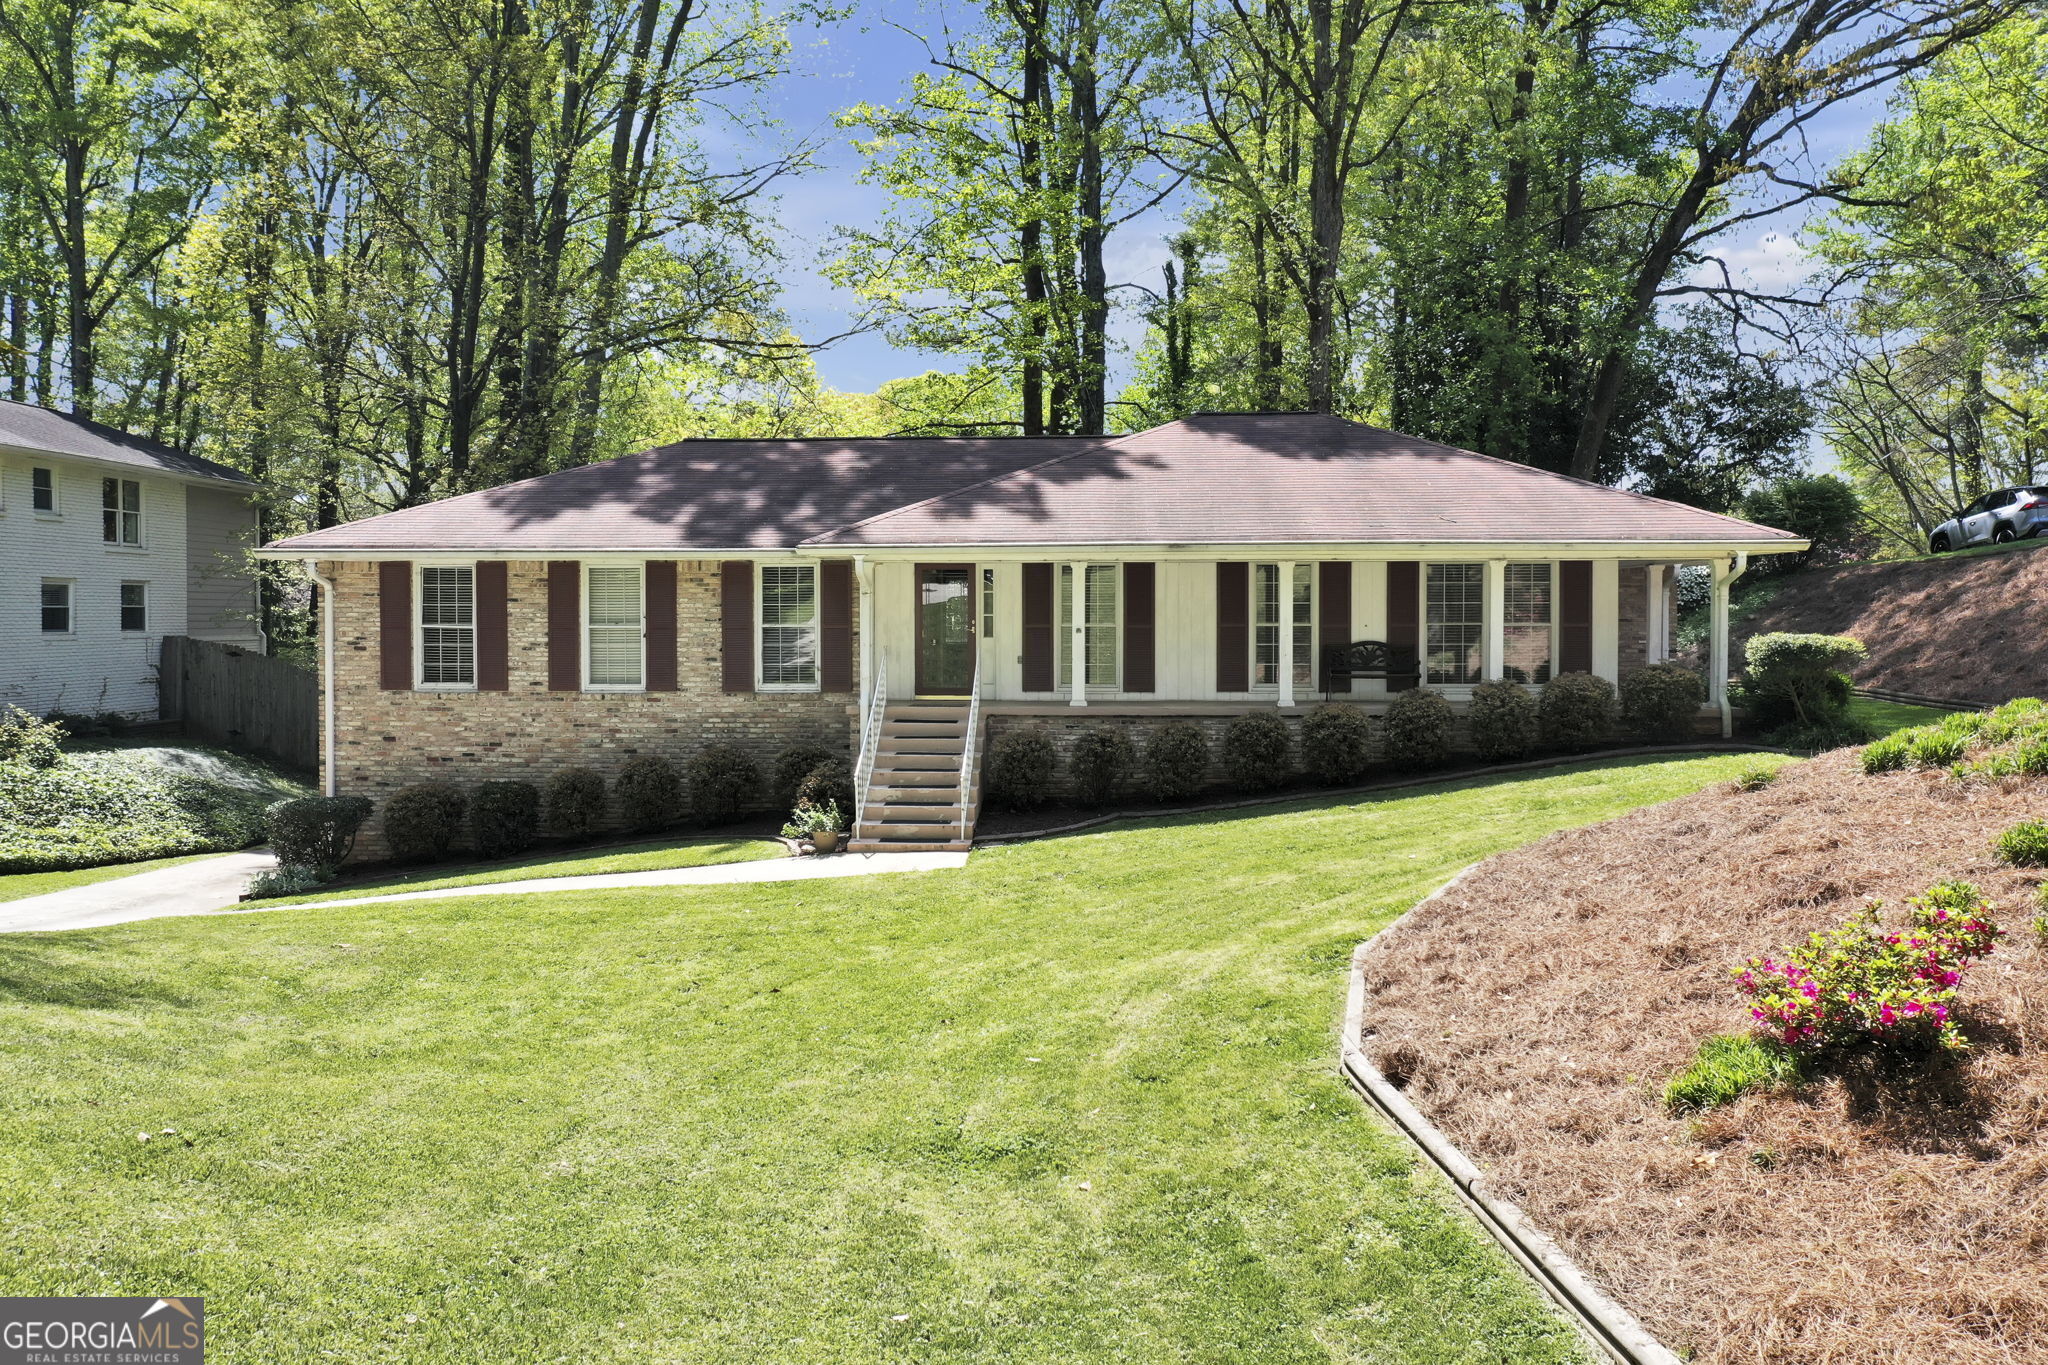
<point>945,629</point>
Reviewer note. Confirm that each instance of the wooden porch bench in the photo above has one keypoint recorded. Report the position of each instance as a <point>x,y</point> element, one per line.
<point>1396,664</point>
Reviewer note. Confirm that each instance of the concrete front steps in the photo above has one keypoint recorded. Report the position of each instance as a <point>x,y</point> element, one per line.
<point>912,802</point>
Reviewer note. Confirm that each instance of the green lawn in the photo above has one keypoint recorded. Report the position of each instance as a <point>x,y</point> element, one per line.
<point>1887,716</point>
<point>645,857</point>
<point>1077,1102</point>
<point>15,886</point>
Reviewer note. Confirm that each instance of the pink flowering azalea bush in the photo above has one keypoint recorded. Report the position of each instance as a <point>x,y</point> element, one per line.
<point>1860,983</point>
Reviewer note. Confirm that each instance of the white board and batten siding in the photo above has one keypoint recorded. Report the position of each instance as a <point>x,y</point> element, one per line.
<point>188,536</point>
<point>1185,631</point>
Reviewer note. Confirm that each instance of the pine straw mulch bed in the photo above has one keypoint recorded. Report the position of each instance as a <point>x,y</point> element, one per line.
<point>1536,1009</point>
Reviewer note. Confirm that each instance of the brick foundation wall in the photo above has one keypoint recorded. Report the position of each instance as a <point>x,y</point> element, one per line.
<point>387,740</point>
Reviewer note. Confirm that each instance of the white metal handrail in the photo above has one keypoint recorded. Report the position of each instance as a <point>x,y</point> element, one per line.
<point>967,754</point>
<point>870,742</point>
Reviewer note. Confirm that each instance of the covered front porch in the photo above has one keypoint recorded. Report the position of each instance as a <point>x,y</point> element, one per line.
<point>1184,632</point>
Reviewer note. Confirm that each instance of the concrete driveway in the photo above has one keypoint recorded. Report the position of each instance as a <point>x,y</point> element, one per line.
<point>199,888</point>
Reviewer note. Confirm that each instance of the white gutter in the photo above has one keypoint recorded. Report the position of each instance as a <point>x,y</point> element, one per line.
<point>326,585</point>
<point>1446,551</point>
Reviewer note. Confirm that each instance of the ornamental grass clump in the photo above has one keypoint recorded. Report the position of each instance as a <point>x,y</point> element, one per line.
<point>2024,844</point>
<point>1859,984</point>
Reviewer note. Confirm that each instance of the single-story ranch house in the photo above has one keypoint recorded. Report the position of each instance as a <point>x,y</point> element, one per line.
<point>905,599</point>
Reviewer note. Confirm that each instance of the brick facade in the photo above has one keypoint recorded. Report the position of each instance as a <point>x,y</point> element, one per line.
<point>386,740</point>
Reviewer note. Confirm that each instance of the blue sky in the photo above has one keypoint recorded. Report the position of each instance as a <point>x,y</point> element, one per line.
<point>868,57</point>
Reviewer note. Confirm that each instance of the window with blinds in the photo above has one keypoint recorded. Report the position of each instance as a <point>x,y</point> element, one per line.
<point>1454,619</point>
<point>615,624</point>
<point>1283,631</point>
<point>789,626</point>
<point>1528,614</point>
<point>448,626</point>
<point>1098,625</point>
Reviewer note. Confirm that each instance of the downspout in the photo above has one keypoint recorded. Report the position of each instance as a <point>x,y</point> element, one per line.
<point>326,585</point>
<point>1722,590</point>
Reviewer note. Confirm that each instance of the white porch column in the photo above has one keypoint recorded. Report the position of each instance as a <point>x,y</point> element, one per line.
<point>1494,602</point>
<point>864,577</point>
<point>1653,614</point>
<point>1725,575</point>
<point>1286,633</point>
<point>1077,640</point>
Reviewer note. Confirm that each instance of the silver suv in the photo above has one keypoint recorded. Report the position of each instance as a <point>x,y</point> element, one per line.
<point>2008,514</point>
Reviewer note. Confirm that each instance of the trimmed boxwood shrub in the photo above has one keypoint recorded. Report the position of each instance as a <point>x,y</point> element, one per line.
<point>1663,701</point>
<point>798,762</point>
<point>1101,764</point>
<point>1176,761</point>
<point>1336,744</point>
<point>1418,729</point>
<point>649,791</point>
<point>1798,679</point>
<point>1258,752</point>
<point>2024,844</point>
<point>1503,721</point>
<point>421,822</point>
<point>1577,711</point>
<point>572,803</point>
<point>1020,770</point>
<point>504,817</point>
<point>724,783</point>
<point>830,783</point>
<point>315,831</point>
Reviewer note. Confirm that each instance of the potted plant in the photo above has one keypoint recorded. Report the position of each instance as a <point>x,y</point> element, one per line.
<point>818,826</point>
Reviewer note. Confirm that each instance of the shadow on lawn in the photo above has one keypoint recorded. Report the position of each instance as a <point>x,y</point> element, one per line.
<point>49,969</point>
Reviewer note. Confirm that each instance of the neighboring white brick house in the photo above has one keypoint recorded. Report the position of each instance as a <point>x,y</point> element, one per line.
<point>108,543</point>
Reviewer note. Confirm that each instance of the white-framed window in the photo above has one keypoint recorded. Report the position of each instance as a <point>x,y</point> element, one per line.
<point>988,607</point>
<point>614,627</point>
<point>1454,623</point>
<point>447,647</point>
<point>121,511</point>
<point>42,490</point>
<point>1099,606</point>
<point>1283,625</point>
<point>56,606</point>
<point>135,606</point>
<point>1529,629</point>
<point>788,608</point>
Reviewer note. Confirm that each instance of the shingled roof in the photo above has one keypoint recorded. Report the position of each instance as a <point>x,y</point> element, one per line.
<point>1217,479</point>
<point>26,427</point>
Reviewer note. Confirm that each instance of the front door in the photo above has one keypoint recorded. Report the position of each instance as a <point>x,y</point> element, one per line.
<point>945,629</point>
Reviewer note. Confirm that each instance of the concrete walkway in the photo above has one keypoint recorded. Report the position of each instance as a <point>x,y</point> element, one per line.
<point>215,886</point>
<point>201,888</point>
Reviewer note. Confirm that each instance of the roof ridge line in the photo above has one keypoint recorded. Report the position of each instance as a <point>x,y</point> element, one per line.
<point>1105,441</point>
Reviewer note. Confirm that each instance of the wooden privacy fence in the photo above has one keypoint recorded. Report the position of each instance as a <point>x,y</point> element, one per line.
<point>228,695</point>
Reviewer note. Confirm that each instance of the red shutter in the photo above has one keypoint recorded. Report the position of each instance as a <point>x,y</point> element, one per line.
<point>1140,614</point>
<point>736,625</point>
<point>1333,593</point>
<point>1404,614</point>
<point>565,625</point>
<point>1038,627</point>
<point>661,625</point>
<point>394,625</point>
<point>1575,616</point>
<point>835,625</point>
<point>1233,627</point>
<point>493,667</point>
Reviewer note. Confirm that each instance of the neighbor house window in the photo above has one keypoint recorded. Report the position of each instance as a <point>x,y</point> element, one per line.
<point>1283,625</point>
<point>614,602</point>
<point>988,606</point>
<point>42,489</point>
<point>135,606</point>
<point>1527,617</point>
<point>448,625</point>
<point>121,511</point>
<point>1454,616</point>
<point>789,626</point>
<point>56,607</point>
<point>1098,625</point>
